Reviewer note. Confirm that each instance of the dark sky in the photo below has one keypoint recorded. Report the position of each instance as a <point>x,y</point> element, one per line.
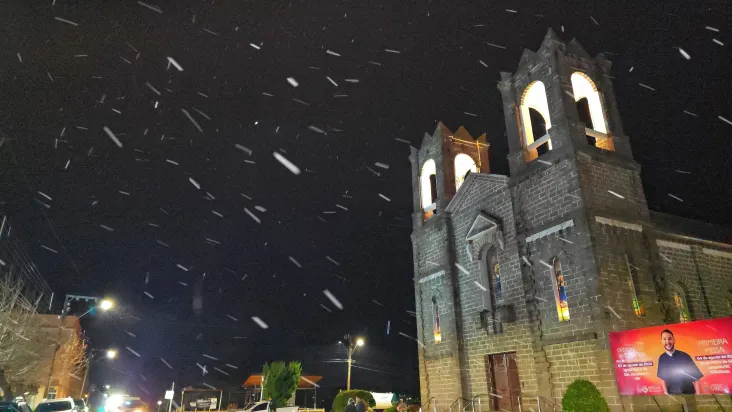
<point>48,93</point>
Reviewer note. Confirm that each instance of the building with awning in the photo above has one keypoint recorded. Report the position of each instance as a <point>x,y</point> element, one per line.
<point>253,389</point>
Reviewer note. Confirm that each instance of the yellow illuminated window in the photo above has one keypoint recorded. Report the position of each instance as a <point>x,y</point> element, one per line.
<point>535,115</point>
<point>560,290</point>
<point>638,309</point>
<point>464,165</point>
<point>681,307</point>
<point>436,319</point>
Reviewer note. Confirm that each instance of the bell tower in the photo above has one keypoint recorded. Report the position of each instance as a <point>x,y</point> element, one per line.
<point>440,166</point>
<point>560,100</point>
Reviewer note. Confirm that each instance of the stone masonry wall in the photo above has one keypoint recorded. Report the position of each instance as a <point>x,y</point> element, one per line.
<point>546,195</point>
<point>681,271</point>
<point>715,265</point>
<point>491,195</point>
<point>439,368</point>
<point>599,178</point>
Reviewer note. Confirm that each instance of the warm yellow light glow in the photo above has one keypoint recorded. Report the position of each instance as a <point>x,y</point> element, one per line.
<point>360,342</point>
<point>463,164</point>
<point>106,304</point>
<point>534,98</point>
<point>111,354</point>
<point>425,185</point>
<point>583,87</point>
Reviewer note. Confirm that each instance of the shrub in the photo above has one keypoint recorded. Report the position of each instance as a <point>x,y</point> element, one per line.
<point>341,400</point>
<point>583,396</point>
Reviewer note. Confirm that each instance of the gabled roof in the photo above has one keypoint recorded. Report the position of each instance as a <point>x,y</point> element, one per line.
<point>470,181</point>
<point>482,225</point>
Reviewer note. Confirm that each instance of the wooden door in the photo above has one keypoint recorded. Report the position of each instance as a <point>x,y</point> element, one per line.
<point>505,382</point>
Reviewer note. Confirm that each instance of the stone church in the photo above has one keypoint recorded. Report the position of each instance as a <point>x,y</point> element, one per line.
<point>518,279</point>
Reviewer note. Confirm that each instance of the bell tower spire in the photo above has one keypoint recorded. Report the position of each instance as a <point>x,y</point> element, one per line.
<point>560,100</point>
<point>440,166</point>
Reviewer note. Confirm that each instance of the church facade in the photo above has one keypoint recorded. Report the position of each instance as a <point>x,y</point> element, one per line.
<point>519,279</point>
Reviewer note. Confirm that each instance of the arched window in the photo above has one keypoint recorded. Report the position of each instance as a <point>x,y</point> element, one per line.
<point>589,109</point>
<point>496,278</point>
<point>436,332</point>
<point>679,300</point>
<point>536,121</point>
<point>464,165</point>
<point>428,187</point>
<point>638,309</point>
<point>560,290</point>
<point>490,281</point>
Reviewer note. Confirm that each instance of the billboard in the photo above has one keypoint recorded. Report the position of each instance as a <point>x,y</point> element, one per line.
<point>684,358</point>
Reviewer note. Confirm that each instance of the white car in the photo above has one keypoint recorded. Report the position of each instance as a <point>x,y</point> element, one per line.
<point>256,407</point>
<point>56,405</point>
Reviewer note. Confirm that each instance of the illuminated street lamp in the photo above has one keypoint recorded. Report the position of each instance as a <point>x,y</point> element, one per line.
<point>159,403</point>
<point>110,354</point>
<point>351,348</point>
<point>106,304</point>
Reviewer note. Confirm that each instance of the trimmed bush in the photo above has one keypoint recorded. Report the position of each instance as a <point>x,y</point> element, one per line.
<point>583,396</point>
<point>341,400</point>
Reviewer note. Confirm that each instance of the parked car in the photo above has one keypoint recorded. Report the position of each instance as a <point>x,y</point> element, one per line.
<point>56,405</point>
<point>81,405</point>
<point>14,406</point>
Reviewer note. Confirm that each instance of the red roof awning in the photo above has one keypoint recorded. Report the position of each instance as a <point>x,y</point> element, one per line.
<point>306,381</point>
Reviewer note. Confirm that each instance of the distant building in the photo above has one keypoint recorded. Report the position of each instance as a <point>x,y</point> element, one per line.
<point>518,279</point>
<point>64,382</point>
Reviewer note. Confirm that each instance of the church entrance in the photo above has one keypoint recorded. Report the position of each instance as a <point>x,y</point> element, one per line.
<point>504,382</point>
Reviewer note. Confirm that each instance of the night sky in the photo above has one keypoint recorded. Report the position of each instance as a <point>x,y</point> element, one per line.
<point>122,219</point>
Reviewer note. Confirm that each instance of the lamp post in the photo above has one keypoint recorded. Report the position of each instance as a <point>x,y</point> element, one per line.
<point>104,304</point>
<point>159,403</point>
<point>110,354</point>
<point>351,348</point>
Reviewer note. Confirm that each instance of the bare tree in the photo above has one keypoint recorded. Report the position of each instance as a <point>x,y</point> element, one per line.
<point>22,342</point>
<point>73,354</point>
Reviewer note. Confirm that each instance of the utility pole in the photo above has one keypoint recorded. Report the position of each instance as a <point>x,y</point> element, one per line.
<point>170,402</point>
<point>351,348</point>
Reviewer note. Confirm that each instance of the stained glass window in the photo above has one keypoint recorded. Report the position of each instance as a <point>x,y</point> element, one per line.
<point>638,309</point>
<point>436,319</point>
<point>560,291</point>
<point>681,306</point>
<point>497,288</point>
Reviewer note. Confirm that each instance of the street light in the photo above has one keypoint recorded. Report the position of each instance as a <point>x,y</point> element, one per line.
<point>111,354</point>
<point>351,348</point>
<point>106,304</point>
<point>159,403</point>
